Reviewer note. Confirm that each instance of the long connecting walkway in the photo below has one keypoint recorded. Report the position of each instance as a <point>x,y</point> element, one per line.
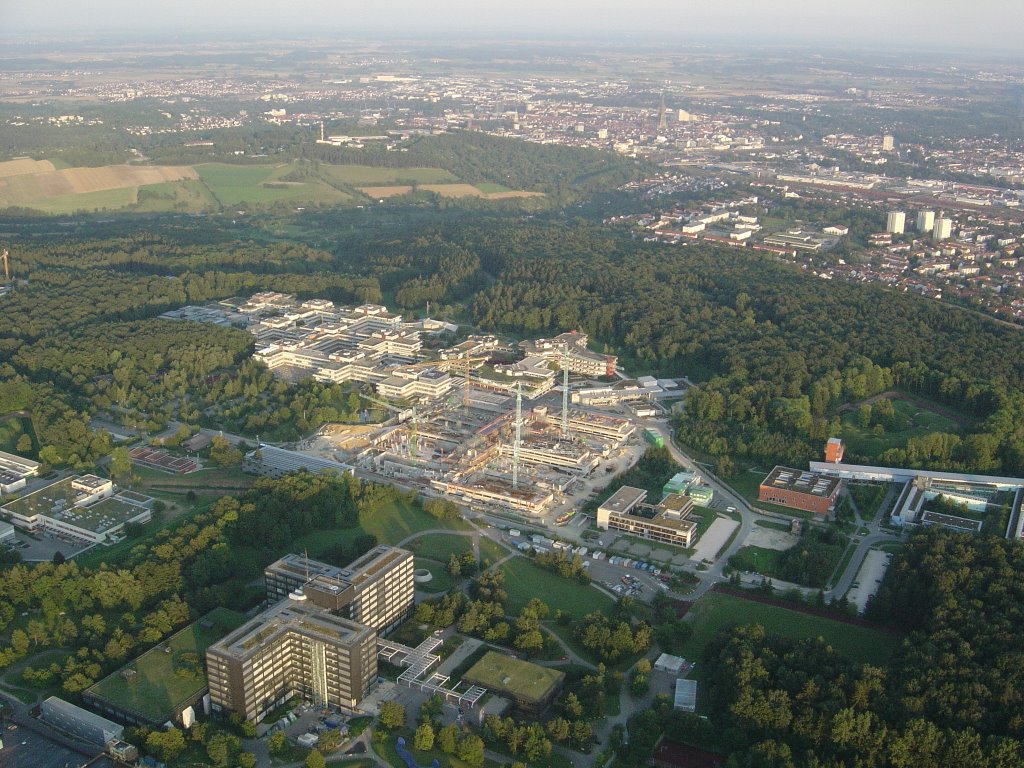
<point>418,662</point>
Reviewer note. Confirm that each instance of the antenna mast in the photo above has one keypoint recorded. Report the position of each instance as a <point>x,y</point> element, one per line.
<point>565,391</point>
<point>519,436</point>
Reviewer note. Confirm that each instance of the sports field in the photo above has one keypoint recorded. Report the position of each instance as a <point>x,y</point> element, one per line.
<point>157,682</point>
<point>716,612</point>
<point>524,581</point>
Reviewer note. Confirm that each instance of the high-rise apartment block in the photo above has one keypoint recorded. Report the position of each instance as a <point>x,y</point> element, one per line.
<point>943,229</point>
<point>888,143</point>
<point>319,640</point>
<point>895,222</point>
<point>925,221</point>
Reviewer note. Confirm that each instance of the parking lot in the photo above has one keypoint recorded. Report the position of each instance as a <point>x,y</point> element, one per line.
<point>46,546</point>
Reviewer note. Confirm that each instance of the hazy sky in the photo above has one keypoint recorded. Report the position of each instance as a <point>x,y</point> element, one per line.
<point>977,24</point>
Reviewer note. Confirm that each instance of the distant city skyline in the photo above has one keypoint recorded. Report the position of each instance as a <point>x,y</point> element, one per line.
<point>956,24</point>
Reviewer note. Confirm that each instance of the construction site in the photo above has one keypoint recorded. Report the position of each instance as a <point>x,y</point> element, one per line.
<point>497,450</point>
<point>498,446</point>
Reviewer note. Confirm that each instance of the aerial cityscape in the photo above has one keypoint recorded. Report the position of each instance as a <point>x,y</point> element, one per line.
<point>535,386</point>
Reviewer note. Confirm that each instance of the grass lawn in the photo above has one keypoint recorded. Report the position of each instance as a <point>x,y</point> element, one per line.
<point>773,525</point>
<point>524,580</point>
<point>523,679</point>
<point>164,680</point>
<point>439,546</point>
<point>390,524</point>
<point>442,581</point>
<point>910,421</point>
<point>716,612</point>
<point>491,551</point>
<point>757,559</point>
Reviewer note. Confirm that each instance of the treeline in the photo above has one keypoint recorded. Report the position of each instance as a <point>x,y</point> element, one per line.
<point>952,695</point>
<point>474,157</point>
<point>777,352</point>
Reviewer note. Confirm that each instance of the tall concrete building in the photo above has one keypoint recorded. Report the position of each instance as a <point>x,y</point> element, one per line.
<point>888,143</point>
<point>319,640</point>
<point>925,221</point>
<point>376,589</point>
<point>895,222</point>
<point>943,229</point>
<point>293,648</point>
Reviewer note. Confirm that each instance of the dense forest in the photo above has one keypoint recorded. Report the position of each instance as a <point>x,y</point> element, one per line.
<point>951,696</point>
<point>775,350</point>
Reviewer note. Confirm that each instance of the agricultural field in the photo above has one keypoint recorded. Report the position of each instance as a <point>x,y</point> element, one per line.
<point>39,185</point>
<point>237,185</point>
<point>716,612</point>
<point>365,175</point>
<point>909,420</point>
<point>524,581</point>
<point>444,190</point>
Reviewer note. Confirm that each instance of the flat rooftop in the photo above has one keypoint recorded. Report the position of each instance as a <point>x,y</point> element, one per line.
<point>523,679</point>
<point>156,682</point>
<point>289,616</point>
<point>801,481</point>
<point>46,501</point>
<point>624,499</point>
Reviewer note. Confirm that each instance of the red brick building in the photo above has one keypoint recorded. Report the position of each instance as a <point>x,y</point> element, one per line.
<point>800,489</point>
<point>834,450</point>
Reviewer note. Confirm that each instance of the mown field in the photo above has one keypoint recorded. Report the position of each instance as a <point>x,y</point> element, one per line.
<point>910,420</point>
<point>716,612</point>
<point>524,581</point>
